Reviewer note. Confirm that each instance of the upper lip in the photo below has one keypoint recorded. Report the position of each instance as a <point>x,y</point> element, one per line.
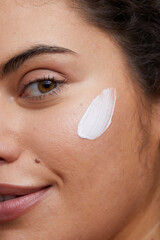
<point>7,189</point>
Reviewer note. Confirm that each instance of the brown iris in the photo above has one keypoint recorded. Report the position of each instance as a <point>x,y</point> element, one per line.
<point>46,86</point>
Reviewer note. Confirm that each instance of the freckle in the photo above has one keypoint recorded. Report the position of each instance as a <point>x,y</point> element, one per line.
<point>37,160</point>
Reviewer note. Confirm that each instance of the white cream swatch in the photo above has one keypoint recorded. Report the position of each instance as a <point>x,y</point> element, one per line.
<point>98,116</point>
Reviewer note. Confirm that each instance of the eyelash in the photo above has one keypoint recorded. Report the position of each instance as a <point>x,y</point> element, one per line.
<point>58,83</point>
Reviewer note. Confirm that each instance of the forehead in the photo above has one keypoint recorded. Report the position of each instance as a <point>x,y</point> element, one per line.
<point>29,22</point>
<point>54,23</point>
<point>25,3</point>
<point>36,3</point>
<point>16,15</point>
<point>9,8</point>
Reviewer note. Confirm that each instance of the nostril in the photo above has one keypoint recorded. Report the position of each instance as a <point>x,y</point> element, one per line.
<point>2,160</point>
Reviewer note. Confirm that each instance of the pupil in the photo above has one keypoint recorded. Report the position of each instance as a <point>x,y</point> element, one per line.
<point>47,84</point>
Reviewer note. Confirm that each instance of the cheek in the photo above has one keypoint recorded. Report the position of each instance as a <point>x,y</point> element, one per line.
<point>52,136</point>
<point>101,177</point>
<point>51,133</point>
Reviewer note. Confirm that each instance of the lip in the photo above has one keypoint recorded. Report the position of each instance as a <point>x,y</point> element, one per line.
<point>14,208</point>
<point>7,189</point>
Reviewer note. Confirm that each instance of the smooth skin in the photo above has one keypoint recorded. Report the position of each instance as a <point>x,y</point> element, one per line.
<point>106,189</point>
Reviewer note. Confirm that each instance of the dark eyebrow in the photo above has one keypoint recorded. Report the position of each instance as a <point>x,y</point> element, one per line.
<point>17,61</point>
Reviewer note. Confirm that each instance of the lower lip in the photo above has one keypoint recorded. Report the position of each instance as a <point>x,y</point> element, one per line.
<point>12,209</point>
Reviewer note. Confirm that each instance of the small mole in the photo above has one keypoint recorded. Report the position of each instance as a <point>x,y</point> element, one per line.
<point>37,160</point>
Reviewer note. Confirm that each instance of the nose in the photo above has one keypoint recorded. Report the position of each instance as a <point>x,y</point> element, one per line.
<point>9,141</point>
<point>9,150</point>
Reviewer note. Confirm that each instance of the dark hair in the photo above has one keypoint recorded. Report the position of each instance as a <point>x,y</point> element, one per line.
<point>135,24</point>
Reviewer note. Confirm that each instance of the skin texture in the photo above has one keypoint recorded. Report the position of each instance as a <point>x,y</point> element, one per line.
<point>106,189</point>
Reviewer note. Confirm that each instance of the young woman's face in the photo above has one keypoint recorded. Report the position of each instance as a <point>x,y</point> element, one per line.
<point>96,185</point>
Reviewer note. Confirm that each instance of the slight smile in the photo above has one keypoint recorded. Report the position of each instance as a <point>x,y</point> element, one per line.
<point>15,200</point>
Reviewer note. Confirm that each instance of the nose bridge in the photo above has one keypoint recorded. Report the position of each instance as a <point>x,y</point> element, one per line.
<point>9,132</point>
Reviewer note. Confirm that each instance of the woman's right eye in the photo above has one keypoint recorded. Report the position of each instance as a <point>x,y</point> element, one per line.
<point>41,87</point>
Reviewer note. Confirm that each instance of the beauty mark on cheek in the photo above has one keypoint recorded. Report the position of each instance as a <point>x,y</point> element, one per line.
<point>37,160</point>
<point>98,116</point>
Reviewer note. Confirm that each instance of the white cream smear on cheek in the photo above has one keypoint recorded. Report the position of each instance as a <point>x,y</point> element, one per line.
<point>98,116</point>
